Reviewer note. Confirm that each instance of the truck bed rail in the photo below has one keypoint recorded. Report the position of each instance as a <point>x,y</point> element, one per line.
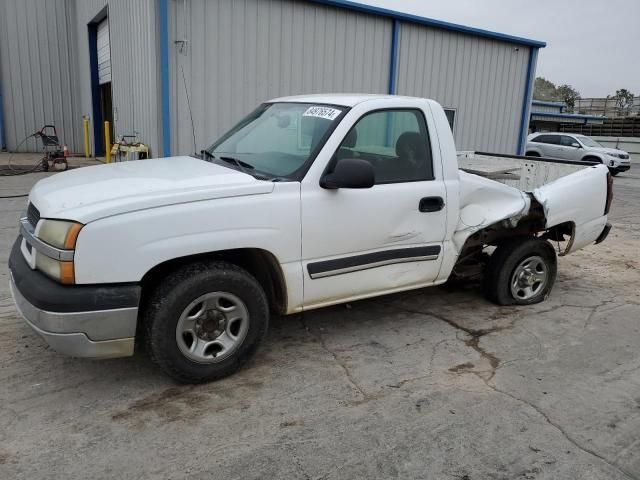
<point>523,173</point>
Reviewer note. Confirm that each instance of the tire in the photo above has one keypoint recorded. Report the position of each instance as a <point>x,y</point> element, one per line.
<point>198,303</point>
<point>532,154</point>
<point>529,259</point>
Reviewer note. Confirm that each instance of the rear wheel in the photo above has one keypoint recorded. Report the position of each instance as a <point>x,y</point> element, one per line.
<point>521,271</point>
<point>532,154</point>
<point>204,321</point>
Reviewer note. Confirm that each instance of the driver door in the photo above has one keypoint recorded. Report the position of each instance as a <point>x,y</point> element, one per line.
<point>362,242</point>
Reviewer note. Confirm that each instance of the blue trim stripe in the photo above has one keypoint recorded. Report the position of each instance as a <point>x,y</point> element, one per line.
<point>3,136</point>
<point>526,101</point>
<point>548,104</point>
<point>568,115</point>
<point>393,66</point>
<point>406,17</point>
<point>164,77</point>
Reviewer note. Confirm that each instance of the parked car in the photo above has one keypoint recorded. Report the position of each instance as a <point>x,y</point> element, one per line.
<point>309,201</point>
<point>569,146</point>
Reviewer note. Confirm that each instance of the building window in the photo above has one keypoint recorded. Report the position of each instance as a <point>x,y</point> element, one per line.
<point>451,117</point>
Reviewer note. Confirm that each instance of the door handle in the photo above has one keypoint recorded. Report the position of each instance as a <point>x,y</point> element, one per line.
<point>431,204</point>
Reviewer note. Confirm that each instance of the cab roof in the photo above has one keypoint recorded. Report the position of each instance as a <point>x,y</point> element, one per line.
<point>341,99</point>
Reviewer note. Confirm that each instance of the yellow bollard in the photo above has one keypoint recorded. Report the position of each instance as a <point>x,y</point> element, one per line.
<point>87,146</point>
<point>107,142</point>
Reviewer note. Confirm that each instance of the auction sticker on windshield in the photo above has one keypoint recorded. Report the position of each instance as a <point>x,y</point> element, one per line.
<point>322,112</point>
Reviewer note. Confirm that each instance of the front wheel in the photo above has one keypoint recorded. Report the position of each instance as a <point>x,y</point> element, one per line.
<point>205,320</point>
<point>521,271</point>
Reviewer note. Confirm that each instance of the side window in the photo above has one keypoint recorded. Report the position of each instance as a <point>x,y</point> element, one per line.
<point>395,142</point>
<point>451,117</point>
<point>567,141</point>
<point>550,139</point>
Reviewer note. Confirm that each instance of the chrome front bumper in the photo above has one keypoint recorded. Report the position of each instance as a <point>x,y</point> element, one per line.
<point>97,334</point>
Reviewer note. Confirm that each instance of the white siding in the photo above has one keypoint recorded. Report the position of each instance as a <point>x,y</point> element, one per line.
<point>482,79</point>
<point>237,54</point>
<point>104,53</point>
<point>37,71</point>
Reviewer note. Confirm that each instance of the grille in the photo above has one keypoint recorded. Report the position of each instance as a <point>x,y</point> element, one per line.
<point>33,215</point>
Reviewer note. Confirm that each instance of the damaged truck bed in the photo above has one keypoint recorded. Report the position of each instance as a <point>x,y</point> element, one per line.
<point>562,199</point>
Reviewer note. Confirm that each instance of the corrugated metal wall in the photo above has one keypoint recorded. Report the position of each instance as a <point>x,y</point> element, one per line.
<point>37,71</point>
<point>236,54</point>
<point>482,79</point>
<point>134,65</point>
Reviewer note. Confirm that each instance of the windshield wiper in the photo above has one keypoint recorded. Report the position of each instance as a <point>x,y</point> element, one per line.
<point>243,166</point>
<point>204,154</point>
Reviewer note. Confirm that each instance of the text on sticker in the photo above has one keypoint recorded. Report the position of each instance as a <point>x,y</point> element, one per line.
<point>322,112</point>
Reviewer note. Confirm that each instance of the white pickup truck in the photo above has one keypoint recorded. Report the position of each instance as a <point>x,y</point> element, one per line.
<point>309,201</point>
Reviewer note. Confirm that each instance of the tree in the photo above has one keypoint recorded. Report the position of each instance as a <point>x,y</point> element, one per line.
<point>623,98</point>
<point>545,90</point>
<point>568,95</point>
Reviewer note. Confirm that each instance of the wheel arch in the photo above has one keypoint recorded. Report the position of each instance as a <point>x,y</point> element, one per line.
<point>262,264</point>
<point>592,157</point>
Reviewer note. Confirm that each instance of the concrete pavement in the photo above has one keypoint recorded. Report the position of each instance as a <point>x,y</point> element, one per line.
<point>435,383</point>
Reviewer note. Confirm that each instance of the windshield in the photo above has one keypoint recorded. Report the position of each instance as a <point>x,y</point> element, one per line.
<point>277,138</point>
<point>587,142</point>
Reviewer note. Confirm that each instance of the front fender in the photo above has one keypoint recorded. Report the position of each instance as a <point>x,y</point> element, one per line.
<point>122,248</point>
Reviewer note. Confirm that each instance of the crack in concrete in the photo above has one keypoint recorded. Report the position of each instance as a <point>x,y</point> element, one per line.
<point>473,342</point>
<point>593,312</point>
<point>564,433</point>
<point>365,396</point>
<point>429,370</point>
<point>474,334</point>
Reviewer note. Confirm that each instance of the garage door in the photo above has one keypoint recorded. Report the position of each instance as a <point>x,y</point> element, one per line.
<point>104,53</point>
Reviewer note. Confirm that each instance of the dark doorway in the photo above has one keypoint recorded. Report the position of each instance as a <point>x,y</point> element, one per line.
<point>106,106</point>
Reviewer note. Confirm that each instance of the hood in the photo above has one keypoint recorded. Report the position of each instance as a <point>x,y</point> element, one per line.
<point>89,193</point>
<point>608,150</point>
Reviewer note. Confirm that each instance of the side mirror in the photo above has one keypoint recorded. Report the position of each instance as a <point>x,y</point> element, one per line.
<point>575,145</point>
<point>349,173</point>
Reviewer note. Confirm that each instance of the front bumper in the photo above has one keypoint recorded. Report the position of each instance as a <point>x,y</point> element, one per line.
<point>621,168</point>
<point>96,321</point>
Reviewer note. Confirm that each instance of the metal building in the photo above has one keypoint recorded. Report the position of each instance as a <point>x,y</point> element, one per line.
<point>551,117</point>
<point>153,66</point>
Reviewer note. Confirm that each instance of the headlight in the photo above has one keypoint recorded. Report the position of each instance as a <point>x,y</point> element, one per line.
<point>62,235</point>
<point>614,155</point>
<point>63,272</point>
<point>59,234</point>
